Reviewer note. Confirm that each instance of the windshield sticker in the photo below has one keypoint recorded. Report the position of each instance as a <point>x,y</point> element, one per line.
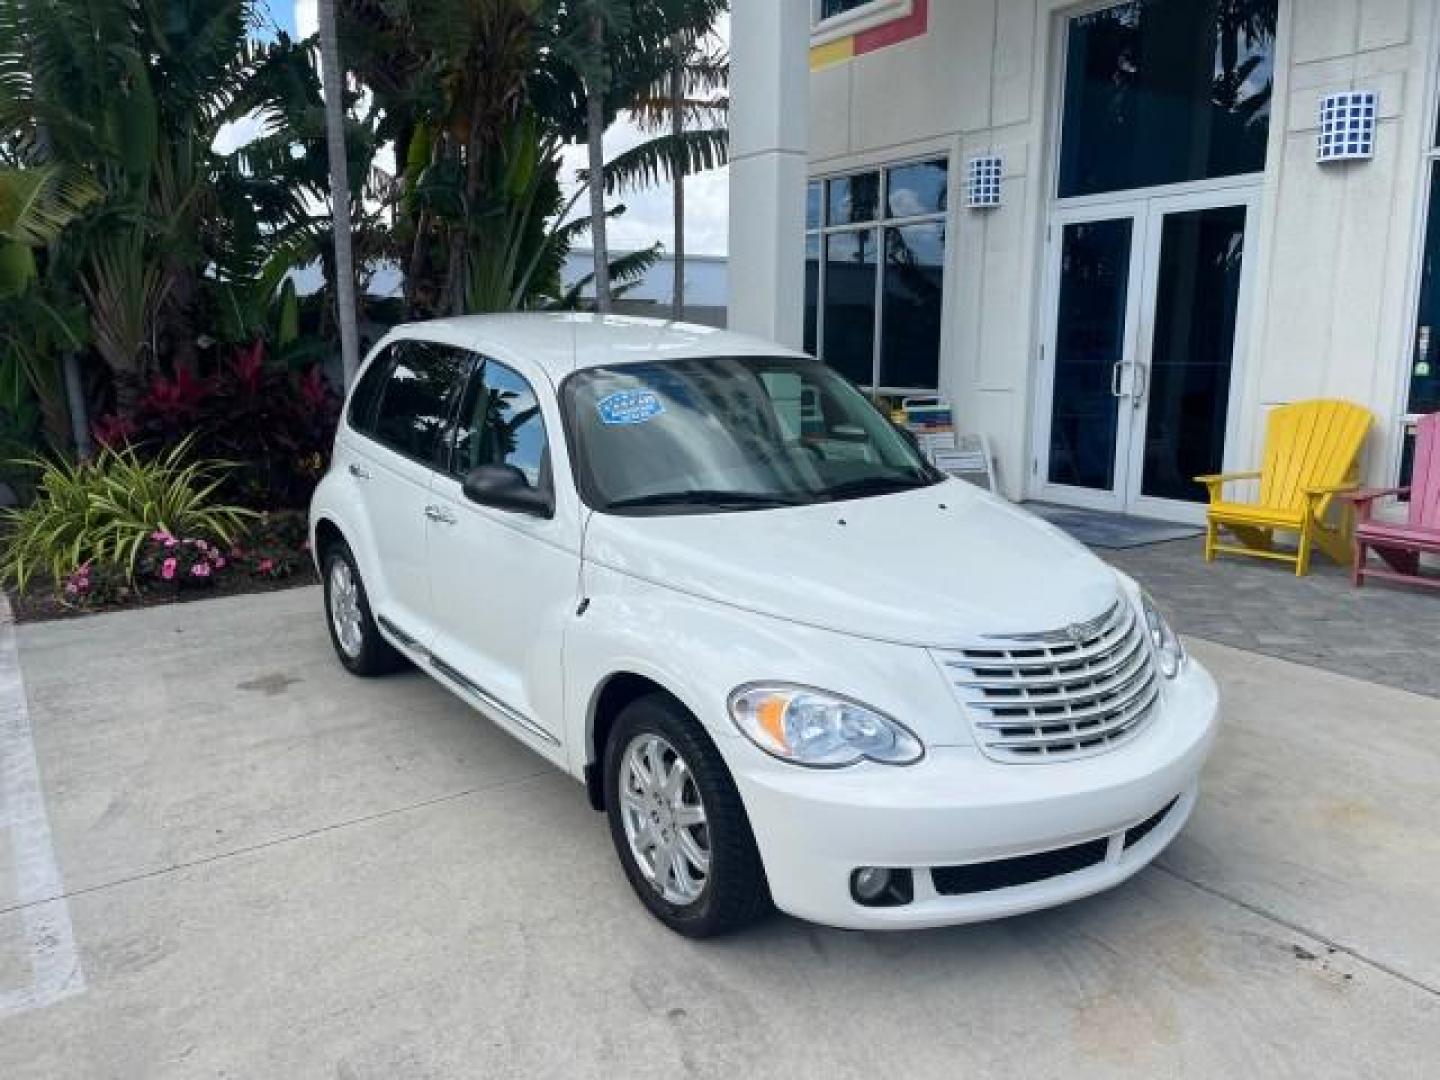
<point>629,407</point>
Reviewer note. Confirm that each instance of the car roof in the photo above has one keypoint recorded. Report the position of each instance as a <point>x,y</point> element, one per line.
<point>562,342</point>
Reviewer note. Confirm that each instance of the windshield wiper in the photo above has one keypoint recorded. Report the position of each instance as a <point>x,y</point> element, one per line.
<point>703,498</point>
<point>874,485</point>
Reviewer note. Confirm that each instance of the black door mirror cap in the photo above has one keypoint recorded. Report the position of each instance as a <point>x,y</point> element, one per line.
<point>504,487</point>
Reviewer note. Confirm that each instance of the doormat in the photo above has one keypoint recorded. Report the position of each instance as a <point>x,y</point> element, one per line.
<point>1095,528</point>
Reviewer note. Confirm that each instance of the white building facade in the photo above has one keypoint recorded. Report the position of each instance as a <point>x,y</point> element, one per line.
<point>1165,255</point>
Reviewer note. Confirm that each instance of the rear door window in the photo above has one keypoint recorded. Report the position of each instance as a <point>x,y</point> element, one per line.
<point>418,397</point>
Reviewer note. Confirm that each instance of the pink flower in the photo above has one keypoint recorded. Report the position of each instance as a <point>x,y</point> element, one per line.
<point>219,562</point>
<point>202,545</point>
<point>167,569</point>
<point>160,534</point>
<point>266,565</point>
<point>170,541</point>
<point>200,570</point>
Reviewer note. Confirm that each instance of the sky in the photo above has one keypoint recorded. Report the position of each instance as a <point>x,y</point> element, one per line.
<point>648,216</point>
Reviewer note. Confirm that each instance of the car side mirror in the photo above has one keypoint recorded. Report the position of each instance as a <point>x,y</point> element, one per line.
<point>505,487</point>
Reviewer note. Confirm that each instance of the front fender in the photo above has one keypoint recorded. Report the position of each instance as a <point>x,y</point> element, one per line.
<point>700,650</point>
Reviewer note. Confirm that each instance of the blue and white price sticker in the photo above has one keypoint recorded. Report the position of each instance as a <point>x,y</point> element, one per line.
<point>629,407</point>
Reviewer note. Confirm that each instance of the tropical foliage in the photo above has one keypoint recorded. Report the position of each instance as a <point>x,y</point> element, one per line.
<point>149,258</point>
<point>102,512</point>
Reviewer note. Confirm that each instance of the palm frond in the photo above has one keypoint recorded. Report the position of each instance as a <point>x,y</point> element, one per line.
<point>653,161</point>
<point>37,204</point>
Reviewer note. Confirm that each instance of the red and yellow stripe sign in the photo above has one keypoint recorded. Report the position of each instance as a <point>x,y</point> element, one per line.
<point>878,37</point>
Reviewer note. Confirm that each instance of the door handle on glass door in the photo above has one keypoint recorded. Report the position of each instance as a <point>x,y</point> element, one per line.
<point>1117,375</point>
<point>1142,385</point>
<point>359,472</point>
<point>440,514</point>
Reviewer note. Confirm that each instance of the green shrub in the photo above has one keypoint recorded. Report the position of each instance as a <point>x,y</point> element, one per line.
<point>103,511</point>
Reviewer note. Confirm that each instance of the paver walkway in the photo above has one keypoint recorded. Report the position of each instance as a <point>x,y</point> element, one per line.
<point>1381,633</point>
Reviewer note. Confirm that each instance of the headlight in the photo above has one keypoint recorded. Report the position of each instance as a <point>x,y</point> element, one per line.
<point>1169,652</point>
<point>811,727</point>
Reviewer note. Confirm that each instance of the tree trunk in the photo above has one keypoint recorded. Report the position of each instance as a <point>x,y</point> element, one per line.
<point>128,391</point>
<point>595,119</point>
<point>75,398</point>
<point>334,84</point>
<point>677,172</point>
<point>184,356</point>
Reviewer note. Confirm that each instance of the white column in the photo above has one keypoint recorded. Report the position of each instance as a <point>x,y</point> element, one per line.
<point>769,142</point>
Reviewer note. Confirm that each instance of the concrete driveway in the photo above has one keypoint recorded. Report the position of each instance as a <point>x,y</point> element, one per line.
<point>273,870</point>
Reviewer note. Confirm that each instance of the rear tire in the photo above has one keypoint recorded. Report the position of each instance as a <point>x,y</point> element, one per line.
<point>357,640</point>
<point>678,823</point>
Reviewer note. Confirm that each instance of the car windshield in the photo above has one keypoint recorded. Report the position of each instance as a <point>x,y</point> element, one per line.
<point>729,434</point>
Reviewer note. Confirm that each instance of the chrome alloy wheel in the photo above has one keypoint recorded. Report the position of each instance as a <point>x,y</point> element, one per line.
<point>664,819</point>
<point>345,608</point>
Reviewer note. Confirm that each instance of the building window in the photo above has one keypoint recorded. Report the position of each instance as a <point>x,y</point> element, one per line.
<point>829,9</point>
<point>1166,91</point>
<point>834,18</point>
<point>875,274</point>
<point>1423,375</point>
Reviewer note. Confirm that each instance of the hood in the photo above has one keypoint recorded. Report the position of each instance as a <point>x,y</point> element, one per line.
<point>939,567</point>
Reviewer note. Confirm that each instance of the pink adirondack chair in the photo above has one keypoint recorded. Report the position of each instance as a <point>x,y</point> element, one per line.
<point>1400,544</point>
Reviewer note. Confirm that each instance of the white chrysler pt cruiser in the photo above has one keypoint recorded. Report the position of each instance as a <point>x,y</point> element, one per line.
<point>789,660</point>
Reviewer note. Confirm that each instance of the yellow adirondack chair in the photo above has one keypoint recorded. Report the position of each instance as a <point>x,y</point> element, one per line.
<point>1312,452</point>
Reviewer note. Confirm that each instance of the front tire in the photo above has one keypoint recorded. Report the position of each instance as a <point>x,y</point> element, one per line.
<point>678,823</point>
<point>353,632</point>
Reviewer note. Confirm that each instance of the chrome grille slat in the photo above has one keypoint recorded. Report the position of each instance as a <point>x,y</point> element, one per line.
<point>1058,694</point>
<point>1045,678</point>
<point>1116,723</point>
<point>1017,655</point>
<point>1086,693</point>
<point>1070,715</point>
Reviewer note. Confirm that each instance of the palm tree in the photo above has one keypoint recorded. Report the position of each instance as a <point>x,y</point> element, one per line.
<point>133,97</point>
<point>689,109</point>
<point>333,75</point>
<point>597,82</point>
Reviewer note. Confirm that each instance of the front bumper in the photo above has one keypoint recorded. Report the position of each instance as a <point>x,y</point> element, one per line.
<point>956,807</point>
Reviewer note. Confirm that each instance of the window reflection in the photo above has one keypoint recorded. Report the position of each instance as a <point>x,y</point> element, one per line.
<point>914,289</point>
<point>500,424</point>
<point>1165,91</point>
<point>850,268</point>
<point>854,199</point>
<point>874,292</point>
<point>417,398</point>
<point>913,190</point>
<point>1425,358</point>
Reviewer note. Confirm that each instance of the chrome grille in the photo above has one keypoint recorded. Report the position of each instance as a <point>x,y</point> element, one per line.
<point>1059,694</point>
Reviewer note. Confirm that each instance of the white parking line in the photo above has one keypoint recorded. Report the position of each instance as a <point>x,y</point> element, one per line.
<point>34,877</point>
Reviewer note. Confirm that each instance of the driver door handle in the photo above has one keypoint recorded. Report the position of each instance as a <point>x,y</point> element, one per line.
<point>440,514</point>
<point>1117,376</point>
<point>359,472</point>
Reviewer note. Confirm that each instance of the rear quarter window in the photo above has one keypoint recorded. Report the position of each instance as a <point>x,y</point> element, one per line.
<point>360,414</point>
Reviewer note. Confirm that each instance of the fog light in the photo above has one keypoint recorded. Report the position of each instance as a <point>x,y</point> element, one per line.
<point>871,883</point>
<point>878,886</point>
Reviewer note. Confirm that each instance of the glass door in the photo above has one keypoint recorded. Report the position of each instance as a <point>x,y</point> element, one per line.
<point>1193,314</point>
<point>1094,290</point>
<point>1146,304</point>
